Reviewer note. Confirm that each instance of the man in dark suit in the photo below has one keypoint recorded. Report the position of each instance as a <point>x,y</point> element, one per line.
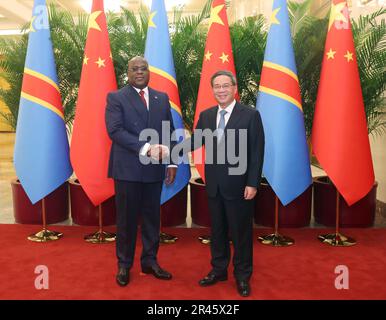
<point>230,190</point>
<point>138,183</point>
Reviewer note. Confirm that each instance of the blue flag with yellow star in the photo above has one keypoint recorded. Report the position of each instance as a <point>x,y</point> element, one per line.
<point>41,154</point>
<point>158,53</point>
<point>286,158</point>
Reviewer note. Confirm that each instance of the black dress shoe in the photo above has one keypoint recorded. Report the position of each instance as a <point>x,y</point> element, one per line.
<point>157,272</point>
<point>211,279</point>
<point>243,288</point>
<point>123,276</point>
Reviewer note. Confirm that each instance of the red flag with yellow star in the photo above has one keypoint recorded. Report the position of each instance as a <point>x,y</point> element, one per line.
<point>339,134</point>
<point>90,144</point>
<point>218,56</point>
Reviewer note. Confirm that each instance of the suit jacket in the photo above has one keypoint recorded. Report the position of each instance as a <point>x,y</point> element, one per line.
<point>217,177</point>
<point>126,117</point>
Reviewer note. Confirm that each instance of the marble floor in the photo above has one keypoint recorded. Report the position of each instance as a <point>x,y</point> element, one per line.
<point>7,173</point>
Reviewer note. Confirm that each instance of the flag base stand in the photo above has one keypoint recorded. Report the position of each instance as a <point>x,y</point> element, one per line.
<point>100,237</point>
<point>205,239</point>
<point>276,240</point>
<point>337,240</point>
<point>45,236</point>
<point>167,238</point>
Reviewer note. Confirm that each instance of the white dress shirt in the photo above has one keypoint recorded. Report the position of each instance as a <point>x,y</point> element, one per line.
<point>228,109</point>
<point>146,147</point>
<point>146,95</point>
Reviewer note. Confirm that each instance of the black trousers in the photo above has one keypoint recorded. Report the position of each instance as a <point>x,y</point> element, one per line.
<point>134,199</point>
<point>234,218</point>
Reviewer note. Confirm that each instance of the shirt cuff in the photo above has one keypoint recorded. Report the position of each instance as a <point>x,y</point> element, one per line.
<point>144,149</point>
<point>172,166</point>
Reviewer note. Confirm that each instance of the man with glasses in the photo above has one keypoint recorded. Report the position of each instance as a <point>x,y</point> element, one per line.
<point>231,192</point>
<point>138,183</point>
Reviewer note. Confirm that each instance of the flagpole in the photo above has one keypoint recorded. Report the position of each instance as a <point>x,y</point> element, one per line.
<point>204,239</point>
<point>337,239</point>
<point>166,237</point>
<point>45,235</point>
<point>100,236</point>
<point>276,239</point>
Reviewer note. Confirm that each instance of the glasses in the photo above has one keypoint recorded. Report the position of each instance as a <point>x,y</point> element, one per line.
<point>225,86</point>
<point>136,69</point>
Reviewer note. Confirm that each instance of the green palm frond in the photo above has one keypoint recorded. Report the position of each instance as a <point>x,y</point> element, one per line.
<point>188,45</point>
<point>13,52</point>
<point>309,47</point>
<point>68,39</point>
<point>248,43</point>
<point>370,44</point>
<point>127,34</point>
<point>298,14</point>
<point>309,34</point>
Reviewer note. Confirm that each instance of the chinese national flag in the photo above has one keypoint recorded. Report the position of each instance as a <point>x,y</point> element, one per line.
<point>339,134</point>
<point>218,56</point>
<point>90,144</point>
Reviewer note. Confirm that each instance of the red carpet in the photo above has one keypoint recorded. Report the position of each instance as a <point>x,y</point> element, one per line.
<point>79,270</point>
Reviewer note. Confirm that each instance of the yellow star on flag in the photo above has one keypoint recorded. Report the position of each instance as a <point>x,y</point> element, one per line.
<point>208,55</point>
<point>92,24</point>
<point>336,13</point>
<point>348,56</point>
<point>100,62</point>
<point>31,26</point>
<point>85,59</point>
<point>330,54</point>
<point>224,57</point>
<point>151,22</point>
<point>274,19</point>
<point>214,15</point>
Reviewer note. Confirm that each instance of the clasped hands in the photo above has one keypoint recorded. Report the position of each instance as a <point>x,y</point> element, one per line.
<point>158,151</point>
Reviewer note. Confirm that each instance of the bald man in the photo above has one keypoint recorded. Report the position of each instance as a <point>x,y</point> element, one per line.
<point>138,184</point>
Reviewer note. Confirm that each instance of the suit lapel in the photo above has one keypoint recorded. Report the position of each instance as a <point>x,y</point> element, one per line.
<point>154,108</point>
<point>213,118</point>
<point>234,118</point>
<point>136,102</point>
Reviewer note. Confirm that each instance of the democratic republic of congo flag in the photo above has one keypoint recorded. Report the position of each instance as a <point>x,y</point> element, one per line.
<point>159,54</point>
<point>41,154</point>
<point>286,158</point>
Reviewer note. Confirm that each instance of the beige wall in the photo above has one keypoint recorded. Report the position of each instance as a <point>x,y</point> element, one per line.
<point>378,151</point>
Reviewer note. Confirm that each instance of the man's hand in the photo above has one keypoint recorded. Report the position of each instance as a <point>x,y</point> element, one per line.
<point>170,175</point>
<point>158,151</point>
<point>249,193</point>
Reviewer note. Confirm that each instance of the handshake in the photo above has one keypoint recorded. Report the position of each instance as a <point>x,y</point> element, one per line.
<point>158,151</point>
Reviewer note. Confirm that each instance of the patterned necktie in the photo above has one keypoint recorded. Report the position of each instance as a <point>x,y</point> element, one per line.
<point>221,125</point>
<point>142,95</point>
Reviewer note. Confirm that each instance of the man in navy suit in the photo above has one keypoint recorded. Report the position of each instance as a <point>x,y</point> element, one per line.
<point>138,184</point>
<point>231,186</point>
